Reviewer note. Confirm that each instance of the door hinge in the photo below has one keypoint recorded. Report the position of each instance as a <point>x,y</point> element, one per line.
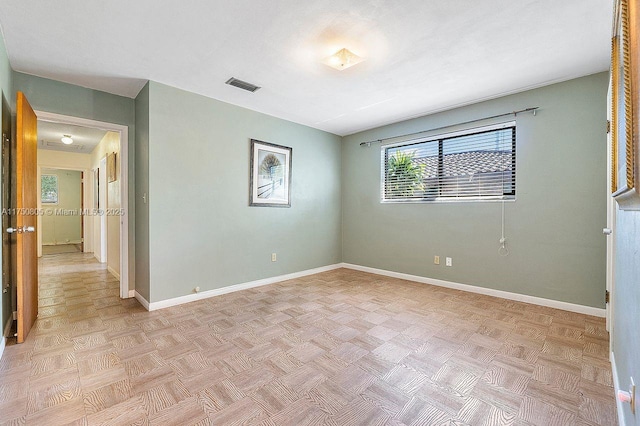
<point>607,296</point>
<point>608,126</point>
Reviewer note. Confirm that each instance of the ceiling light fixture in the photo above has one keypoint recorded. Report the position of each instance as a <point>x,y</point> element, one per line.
<point>343,59</point>
<point>66,139</point>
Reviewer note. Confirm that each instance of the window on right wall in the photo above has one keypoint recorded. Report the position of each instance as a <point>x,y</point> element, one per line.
<point>471,165</point>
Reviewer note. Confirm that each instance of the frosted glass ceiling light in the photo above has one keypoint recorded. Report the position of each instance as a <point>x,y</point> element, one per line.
<point>343,59</point>
<point>66,139</point>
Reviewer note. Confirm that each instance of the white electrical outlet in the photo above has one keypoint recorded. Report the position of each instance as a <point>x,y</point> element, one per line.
<point>448,261</point>
<point>197,289</point>
<point>436,260</point>
<point>273,257</point>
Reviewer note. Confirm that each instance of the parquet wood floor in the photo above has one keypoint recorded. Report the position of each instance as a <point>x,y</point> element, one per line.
<point>337,348</point>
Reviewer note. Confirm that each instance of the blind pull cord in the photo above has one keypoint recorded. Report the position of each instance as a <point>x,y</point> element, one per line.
<point>502,250</point>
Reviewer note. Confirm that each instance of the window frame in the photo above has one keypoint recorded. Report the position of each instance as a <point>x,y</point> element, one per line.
<point>440,139</point>
<point>57,201</point>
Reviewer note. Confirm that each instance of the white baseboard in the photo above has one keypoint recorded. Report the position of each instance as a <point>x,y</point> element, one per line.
<point>132,293</point>
<point>587,310</point>
<point>616,388</point>
<point>114,272</point>
<point>3,341</point>
<point>61,243</point>
<point>142,300</point>
<point>230,289</point>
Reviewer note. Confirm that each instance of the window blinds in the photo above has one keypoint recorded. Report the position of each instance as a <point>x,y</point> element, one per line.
<point>477,165</point>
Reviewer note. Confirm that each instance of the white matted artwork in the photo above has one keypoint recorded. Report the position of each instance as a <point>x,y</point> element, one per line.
<point>270,175</point>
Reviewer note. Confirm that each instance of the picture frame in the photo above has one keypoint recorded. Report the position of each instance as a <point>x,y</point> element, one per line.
<point>111,168</point>
<point>625,105</point>
<point>269,175</point>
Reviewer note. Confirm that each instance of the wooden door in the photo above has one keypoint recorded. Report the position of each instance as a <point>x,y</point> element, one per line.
<point>26,214</point>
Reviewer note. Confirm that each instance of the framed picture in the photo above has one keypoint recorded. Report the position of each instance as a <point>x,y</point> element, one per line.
<point>270,175</point>
<point>625,105</point>
<point>111,167</point>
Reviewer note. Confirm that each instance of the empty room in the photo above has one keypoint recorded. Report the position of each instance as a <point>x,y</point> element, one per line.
<point>322,213</point>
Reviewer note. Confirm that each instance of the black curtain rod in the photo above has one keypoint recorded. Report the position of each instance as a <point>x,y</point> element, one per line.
<point>514,113</point>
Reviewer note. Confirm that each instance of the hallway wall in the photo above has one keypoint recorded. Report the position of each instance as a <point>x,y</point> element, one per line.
<point>110,144</point>
<point>60,227</point>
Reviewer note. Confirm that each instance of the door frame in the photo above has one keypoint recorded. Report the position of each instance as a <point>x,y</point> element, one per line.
<point>610,268</point>
<point>612,209</point>
<point>124,183</point>
<point>102,202</point>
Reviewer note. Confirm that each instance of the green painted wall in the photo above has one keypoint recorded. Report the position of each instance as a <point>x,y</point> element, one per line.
<point>61,228</point>
<point>626,305</point>
<point>553,229</point>
<point>202,231</point>
<point>9,95</point>
<point>67,99</point>
<point>142,187</point>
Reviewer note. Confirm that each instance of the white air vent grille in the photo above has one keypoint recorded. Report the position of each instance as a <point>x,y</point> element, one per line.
<point>242,84</point>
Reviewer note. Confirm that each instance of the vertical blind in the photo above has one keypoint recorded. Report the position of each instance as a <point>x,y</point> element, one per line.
<point>477,165</point>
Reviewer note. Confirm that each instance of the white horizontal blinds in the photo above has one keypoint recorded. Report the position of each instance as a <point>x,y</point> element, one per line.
<point>478,165</point>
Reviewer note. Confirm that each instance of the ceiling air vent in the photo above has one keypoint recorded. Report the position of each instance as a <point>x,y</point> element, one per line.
<point>242,84</point>
<point>47,144</point>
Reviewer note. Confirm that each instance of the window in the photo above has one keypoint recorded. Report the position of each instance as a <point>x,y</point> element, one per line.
<point>477,164</point>
<point>49,189</point>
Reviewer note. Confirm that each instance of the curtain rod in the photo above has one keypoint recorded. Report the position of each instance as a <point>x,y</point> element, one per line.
<point>514,113</point>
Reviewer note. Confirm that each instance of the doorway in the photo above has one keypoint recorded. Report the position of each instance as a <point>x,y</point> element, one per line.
<point>105,204</point>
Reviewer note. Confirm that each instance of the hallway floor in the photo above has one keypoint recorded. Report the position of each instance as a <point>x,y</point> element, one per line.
<point>337,348</point>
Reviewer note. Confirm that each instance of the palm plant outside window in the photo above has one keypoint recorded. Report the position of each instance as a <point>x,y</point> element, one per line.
<point>475,165</point>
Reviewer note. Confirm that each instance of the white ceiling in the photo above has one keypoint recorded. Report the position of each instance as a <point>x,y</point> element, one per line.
<point>421,56</point>
<point>85,139</point>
